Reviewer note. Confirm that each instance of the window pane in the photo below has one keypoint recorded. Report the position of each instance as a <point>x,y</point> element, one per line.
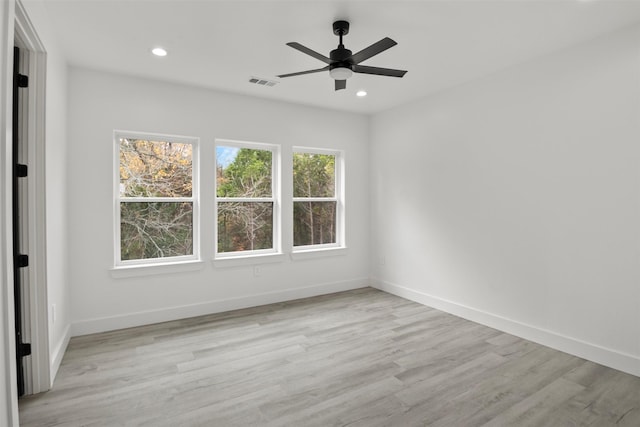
<point>155,229</point>
<point>314,223</point>
<point>245,226</point>
<point>243,172</point>
<point>314,175</point>
<point>155,168</point>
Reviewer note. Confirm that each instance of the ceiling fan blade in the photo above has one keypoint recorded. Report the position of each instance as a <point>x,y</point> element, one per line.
<point>378,71</point>
<point>309,52</point>
<point>372,50</point>
<point>299,73</point>
<point>341,84</point>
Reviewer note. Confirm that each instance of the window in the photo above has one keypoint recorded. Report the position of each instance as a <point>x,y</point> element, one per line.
<point>156,199</point>
<point>247,206</point>
<point>317,203</point>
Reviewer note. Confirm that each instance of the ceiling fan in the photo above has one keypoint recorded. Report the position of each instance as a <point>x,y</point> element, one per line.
<point>341,63</point>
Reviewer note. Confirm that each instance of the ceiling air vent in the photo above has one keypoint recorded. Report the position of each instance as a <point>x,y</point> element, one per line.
<point>262,82</point>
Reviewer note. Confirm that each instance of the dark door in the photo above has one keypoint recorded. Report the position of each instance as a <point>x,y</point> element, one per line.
<point>20,260</point>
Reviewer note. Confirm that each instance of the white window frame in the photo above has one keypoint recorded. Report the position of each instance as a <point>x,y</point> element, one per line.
<point>194,199</point>
<point>338,198</point>
<point>275,199</point>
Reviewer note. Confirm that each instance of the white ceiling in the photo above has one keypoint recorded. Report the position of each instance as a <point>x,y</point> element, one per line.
<point>221,44</point>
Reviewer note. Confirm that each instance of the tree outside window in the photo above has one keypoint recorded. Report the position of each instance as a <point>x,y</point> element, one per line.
<point>155,198</point>
<point>157,207</point>
<point>246,205</point>
<point>316,201</point>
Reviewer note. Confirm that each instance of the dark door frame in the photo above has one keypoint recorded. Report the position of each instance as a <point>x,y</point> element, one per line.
<point>35,308</point>
<point>20,260</point>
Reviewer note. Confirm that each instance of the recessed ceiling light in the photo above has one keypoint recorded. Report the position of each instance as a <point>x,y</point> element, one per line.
<point>158,51</point>
<point>361,93</point>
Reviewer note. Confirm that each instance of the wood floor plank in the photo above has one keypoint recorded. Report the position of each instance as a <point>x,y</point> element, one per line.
<point>534,410</point>
<point>357,358</point>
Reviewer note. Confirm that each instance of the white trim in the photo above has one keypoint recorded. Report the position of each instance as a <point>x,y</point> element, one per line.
<point>245,254</point>
<point>58,353</point>
<point>605,356</point>
<point>156,199</point>
<point>138,270</point>
<point>153,136</point>
<point>149,262</point>
<point>237,143</point>
<point>246,199</point>
<point>251,258</point>
<point>315,199</point>
<point>129,320</point>
<point>341,215</point>
<point>317,251</point>
<point>314,150</point>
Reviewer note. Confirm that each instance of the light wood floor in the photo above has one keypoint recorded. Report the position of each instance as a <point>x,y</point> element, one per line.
<point>358,358</point>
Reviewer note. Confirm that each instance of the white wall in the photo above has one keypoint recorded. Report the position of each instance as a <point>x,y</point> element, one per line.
<point>101,102</point>
<point>514,200</point>
<point>55,169</point>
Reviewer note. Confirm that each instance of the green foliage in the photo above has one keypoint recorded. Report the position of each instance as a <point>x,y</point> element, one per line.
<point>249,175</point>
<point>314,223</point>
<point>162,229</point>
<point>249,225</point>
<point>245,226</point>
<point>313,175</point>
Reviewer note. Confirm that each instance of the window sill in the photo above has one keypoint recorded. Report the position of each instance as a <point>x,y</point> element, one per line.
<point>318,253</point>
<point>150,269</point>
<point>241,260</point>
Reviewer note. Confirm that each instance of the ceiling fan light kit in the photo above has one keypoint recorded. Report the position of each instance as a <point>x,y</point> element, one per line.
<point>340,73</point>
<point>341,63</point>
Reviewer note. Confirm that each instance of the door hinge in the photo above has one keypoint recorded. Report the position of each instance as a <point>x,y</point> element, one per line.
<point>23,260</point>
<point>24,349</point>
<point>21,170</point>
<point>23,81</point>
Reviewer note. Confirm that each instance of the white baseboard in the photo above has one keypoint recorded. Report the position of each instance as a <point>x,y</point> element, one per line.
<point>614,359</point>
<point>90,326</point>
<point>58,354</point>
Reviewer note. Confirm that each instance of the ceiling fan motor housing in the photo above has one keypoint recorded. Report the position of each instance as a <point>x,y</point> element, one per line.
<point>340,58</point>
